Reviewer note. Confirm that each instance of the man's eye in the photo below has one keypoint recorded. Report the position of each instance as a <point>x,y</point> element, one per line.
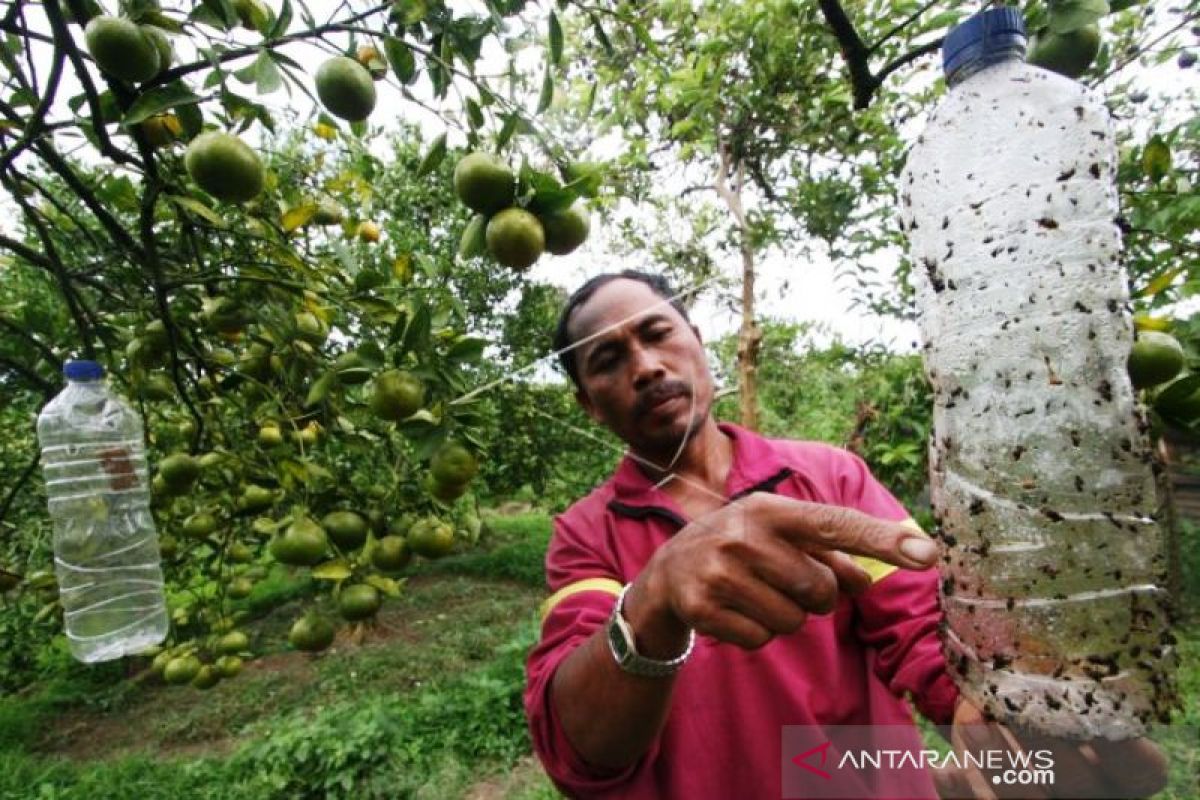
<point>654,334</point>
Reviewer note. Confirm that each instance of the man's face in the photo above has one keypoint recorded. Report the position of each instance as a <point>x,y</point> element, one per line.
<point>644,375</point>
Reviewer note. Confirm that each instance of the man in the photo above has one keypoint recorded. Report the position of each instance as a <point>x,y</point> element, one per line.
<point>758,584</point>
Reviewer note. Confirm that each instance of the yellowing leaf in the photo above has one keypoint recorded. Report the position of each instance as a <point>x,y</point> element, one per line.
<point>294,217</point>
<point>402,268</point>
<point>324,131</point>
<point>385,584</point>
<point>335,570</point>
<point>1144,322</point>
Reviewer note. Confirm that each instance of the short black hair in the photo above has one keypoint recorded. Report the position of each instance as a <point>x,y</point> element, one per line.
<point>562,338</point>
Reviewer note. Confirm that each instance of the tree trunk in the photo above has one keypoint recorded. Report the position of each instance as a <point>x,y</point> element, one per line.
<point>749,341</point>
<point>750,335</point>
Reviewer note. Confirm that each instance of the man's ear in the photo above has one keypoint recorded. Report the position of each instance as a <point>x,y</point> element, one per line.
<point>586,404</point>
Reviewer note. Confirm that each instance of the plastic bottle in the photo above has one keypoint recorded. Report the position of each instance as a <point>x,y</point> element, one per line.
<point>1042,475</point>
<point>106,553</point>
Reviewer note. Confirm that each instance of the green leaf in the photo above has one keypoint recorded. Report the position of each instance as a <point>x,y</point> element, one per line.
<point>556,40</point>
<point>547,93</point>
<point>220,14</point>
<point>416,335</point>
<point>466,350</point>
<point>199,209</point>
<point>507,130</point>
<point>602,37</point>
<point>334,570</point>
<point>320,389</point>
<point>404,64</point>
<point>433,158</point>
<point>474,114</point>
<point>266,74</point>
<point>473,241</point>
<point>1156,159</point>
<point>157,101</point>
<point>282,22</point>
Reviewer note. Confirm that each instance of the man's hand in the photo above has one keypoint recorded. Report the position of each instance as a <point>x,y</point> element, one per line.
<point>1096,769</point>
<point>757,567</point>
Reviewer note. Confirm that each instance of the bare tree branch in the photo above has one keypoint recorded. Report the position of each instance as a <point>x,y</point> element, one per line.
<point>37,120</point>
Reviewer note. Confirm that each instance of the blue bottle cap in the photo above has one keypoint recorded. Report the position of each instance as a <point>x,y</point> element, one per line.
<point>984,37</point>
<point>83,371</point>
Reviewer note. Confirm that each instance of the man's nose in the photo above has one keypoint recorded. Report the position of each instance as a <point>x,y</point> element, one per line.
<point>647,367</point>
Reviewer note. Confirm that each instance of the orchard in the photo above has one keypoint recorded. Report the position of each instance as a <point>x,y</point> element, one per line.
<point>319,246</point>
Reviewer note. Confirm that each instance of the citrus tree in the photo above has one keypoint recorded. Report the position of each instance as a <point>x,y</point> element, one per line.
<point>297,304</point>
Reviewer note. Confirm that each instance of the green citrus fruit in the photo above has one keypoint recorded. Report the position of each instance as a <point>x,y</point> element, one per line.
<point>515,238</point>
<point>269,435</point>
<point>1155,358</point>
<point>360,601</point>
<point>181,670</point>
<point>223,315</point>
<point>256,498</point>
<point>157,386</point>
<point>453,463</point>
<point>224,166</point>
<point>228,666</point>
<point>122,49</point>
<point>168,548</point>
<point>311,633</point>
<point>303,544</point>
<point>310,328</point>
<point>347,529</point>
<point>199,526</point>
<point>346,88</point>
<point>233,642</point>
<point>483,183</point>
<point>1184,407</point>
<point>1068,53</point>
<point>206,677</point>
<point>566,229</point>
<point>240,588</point>
<point>397,395</point>
<point>391,554</point>
<point>446,492</point>
<point>328,213</point>
<point>239,553</point>
<point>401,525</point>
<point>179,471</point>
<point>159,664</point>
<point>431,538</point>
<point>162,45</point>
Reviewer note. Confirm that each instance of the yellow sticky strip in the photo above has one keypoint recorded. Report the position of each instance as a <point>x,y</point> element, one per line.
<point>878,570</point>
<point>587,585</point>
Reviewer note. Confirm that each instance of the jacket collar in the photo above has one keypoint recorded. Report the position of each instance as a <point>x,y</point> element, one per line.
<point>756,466</point>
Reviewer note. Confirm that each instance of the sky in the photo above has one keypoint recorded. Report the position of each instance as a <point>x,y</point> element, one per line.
<point>815,295</point>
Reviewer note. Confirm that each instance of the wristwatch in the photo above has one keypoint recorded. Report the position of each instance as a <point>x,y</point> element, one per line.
<point>624,651</point>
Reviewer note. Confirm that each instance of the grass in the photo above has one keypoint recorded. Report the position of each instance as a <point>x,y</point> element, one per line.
<point>427,705</point>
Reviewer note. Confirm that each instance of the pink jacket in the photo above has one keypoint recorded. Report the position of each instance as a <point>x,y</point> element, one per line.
<point>722,738</point>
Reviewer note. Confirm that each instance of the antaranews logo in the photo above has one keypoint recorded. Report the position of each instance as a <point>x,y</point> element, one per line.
<point>890,762</point>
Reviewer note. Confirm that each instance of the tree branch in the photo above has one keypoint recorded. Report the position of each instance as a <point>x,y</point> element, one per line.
<point>25,335</point>
<point>66,43</point>
<point>37,120</point>
<point>26,474</point>
<point>857,55</point>
<point>913,17</point>
<point>30,376</point>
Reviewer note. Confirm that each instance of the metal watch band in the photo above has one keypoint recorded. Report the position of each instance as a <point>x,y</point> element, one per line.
<point>624,651</point>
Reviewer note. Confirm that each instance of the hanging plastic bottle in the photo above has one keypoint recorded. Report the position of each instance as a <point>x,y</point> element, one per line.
<point>106,553</point>
<point>1042,474</point>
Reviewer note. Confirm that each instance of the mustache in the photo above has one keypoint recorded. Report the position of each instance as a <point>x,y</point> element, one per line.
<point>655,394</point>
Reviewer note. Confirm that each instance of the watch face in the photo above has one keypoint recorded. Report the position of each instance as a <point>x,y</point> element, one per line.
<point>616,639</point>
